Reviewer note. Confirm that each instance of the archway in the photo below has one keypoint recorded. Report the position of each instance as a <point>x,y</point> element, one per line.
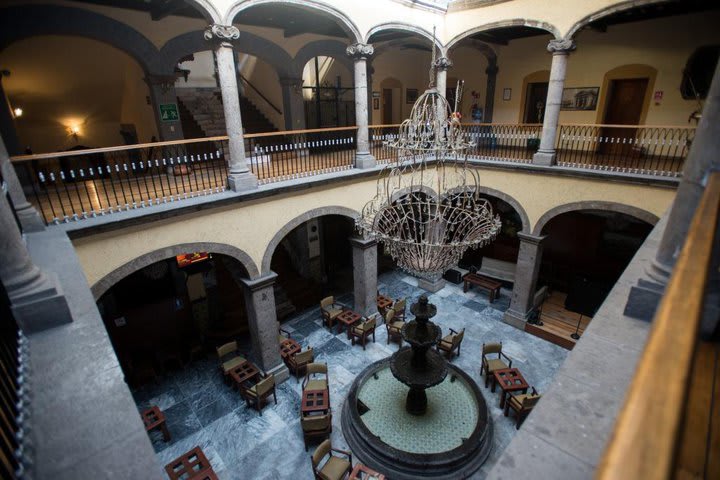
<point>328,93</point>
<point>391,101</point>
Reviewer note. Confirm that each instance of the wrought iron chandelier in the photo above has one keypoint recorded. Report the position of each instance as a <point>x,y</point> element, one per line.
<point>427,210</point>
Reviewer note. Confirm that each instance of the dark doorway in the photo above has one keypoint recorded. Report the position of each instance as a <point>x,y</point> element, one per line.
<point>535,102</point>
<point>387,106</point>
<point>624,107</point>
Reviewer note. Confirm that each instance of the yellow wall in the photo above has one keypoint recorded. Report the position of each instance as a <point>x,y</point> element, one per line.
<point>410,67</point>
<point>251,225</point>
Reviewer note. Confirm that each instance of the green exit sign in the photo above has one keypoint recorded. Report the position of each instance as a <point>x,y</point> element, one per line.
<point>169,112</point>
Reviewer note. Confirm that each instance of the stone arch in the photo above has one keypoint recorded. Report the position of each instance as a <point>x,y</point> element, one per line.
<point>636,212</point>
<point>348,25</point>
<point>635,70</point>
<point>510,201</point>
<point>17,23</point>
<point>105,283</point>
<point>296,222</point>
<point>514,22</point>
<point>482,47</point>
<point>609,10</point>
<point>405,191</point>
<point>405,27</point>
<point>191,42</point>
<point>207,9</point>
<point>327,48</point>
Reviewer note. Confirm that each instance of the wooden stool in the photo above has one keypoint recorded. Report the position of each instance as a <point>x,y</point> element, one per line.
<point>154,418</point>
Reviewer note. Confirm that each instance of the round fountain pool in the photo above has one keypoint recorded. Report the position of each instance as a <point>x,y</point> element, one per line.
<point>450,440</point>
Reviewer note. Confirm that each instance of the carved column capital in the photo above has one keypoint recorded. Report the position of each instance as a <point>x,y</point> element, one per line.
<point>222,34</point>
<point>360,51</point>
<point>562,47</point>
<point>443,63</point>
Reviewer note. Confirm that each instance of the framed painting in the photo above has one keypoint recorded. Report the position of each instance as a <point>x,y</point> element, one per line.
<point>579,98</point>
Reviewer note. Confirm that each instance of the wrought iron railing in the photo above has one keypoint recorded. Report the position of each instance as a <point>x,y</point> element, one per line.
<point>504,142</point>
<point>86,183</point>
<point>278,156</point>
<point>624,148</point>
<point>378,136</point>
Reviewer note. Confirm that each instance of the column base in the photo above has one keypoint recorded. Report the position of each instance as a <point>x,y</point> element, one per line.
<point>41,308</point>
<point>281,373</point>
<point>431,285</point>
<point>547,159</point>
<point>242,182</point>
<point>364,160</point>
<point>30,220</point>
<point>516,319</point>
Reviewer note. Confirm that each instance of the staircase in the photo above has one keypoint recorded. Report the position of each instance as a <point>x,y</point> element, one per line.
<point>203,107</point>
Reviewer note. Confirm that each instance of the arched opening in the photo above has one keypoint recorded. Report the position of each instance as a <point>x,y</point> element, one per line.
<point>391,101</point>
<point>533,97</point>
<point>76,93</point>
<point>174,312</point>
<point>312,261</point>
<point>584,254</point>
<point>328,93</point>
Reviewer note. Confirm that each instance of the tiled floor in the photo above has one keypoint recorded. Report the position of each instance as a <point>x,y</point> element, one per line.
<point>240,444</point>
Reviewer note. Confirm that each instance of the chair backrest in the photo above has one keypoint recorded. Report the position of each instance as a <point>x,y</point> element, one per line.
<point>389,316</point>
<point>399,305</point>
<point>320,452</point>
<point>458,337</point>
<point>530,401</point>
<point>316,368</point>
<point>230,347</point>
<point>491,348</point>
<point>370,323</point>
<point>327,301</point>
<point>266,384</point>
<point>304,357</point>
<point>315,422</point>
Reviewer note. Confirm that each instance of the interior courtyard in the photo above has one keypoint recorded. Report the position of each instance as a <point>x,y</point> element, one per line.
<point>324,239</point>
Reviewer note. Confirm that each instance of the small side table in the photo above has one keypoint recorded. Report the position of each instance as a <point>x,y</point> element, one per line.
<point>348,318</point>
<point>192,465</point>
<point>154,418</point>
<point>362,472</point>
<point>510,380</point>
<point>315,401</point>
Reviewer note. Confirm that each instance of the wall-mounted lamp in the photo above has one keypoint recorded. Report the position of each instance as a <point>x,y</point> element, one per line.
<point>18,112</point>
<point>74,131</point>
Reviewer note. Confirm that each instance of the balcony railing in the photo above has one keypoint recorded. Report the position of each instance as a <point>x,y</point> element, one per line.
<point>72,185</point>
<point>669,426</point>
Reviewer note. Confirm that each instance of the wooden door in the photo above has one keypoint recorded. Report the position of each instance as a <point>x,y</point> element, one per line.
<point>624,107</point>
<point>387,99</point>
<point>535,102</point>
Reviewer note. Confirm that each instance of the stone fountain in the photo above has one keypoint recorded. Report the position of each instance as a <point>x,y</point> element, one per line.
<point>414,415</point>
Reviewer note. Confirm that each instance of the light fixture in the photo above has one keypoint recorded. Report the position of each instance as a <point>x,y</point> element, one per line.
<point>18,112</point>
<point>427,210</point>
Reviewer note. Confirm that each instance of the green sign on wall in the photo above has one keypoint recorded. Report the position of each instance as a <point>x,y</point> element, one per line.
<point>169,112</point>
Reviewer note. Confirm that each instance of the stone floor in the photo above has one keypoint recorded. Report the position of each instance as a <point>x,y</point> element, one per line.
<point>239,443</point>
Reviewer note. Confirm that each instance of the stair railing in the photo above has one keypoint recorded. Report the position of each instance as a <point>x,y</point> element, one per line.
<point>261,94</point>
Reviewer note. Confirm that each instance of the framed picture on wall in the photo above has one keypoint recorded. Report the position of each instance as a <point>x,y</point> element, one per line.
<point>376,104</point>
<point>507,93</point>
<point>580,98</point>
<point>411,94</point>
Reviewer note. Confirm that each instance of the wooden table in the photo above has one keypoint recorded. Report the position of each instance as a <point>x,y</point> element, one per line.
<point>192,465</point>
<point>315,401</point>
<point>493,286</point>
<point>348,318</point>
<point>383,303</point>
<point>244,372</point>
<point>289,347</point>
<point>154,418</point>
<point>510,380</point>
<point>361,472</point>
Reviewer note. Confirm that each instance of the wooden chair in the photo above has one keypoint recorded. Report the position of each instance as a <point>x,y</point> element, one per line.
<point>316,426</point>
<point>329,310</point>
<point>311,382</point>
<point>394,327</point>
<point>489,365</point>
<point>363,330</point>
<point>260,391</point>
<point>451,342</point>
<point>229,358</point>
<point>297,362</point>
<point>335,467</point>
<point>521,405</point>
<point>283,335</point>
<point>399,307</point>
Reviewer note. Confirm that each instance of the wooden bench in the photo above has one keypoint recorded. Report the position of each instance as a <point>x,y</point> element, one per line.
<point>492,286</point>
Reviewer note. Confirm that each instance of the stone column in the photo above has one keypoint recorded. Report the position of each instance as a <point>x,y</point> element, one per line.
<point>36,299</point>
<point>293,103</point>
<point>526,274</point>
<point>365,275</point>
<point>264,326</point>
<point>360,52</point>
<point>560,50</point>
<point>239,176</point>
<point>8,131</point>
<point>491,71</point>
<point>162,92</point>
<point>370,72</point>
<point>27,214</point>
<point>442,65</point>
